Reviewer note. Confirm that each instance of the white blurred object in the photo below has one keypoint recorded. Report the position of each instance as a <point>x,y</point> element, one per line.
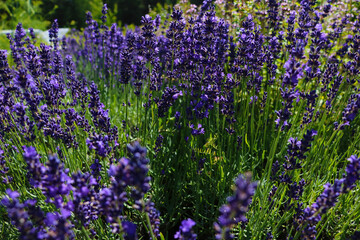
<point>42,34</point>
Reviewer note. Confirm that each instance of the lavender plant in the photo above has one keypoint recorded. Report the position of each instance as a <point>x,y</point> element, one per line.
<point>119,133</point>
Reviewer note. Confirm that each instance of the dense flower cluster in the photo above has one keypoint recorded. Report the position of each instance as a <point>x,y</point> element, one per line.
<point>89,201</point>
<point>207,98</point>
<point>32,222</point>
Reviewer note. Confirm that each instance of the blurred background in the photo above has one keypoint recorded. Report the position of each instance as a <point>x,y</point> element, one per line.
<point>71,14</point>
<point>39,14</point>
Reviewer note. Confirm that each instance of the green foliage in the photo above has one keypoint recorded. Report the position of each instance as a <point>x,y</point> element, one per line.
<point>4,42</point>
<point>180,188</point>
<point>130,12</point>
<point>25,11</point>
<point>70,13</point>
<point>73,13</point>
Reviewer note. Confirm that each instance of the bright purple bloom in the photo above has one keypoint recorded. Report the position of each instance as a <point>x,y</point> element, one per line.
<point>185,231</point>
<point>197,131</point>
<point>129,230</point>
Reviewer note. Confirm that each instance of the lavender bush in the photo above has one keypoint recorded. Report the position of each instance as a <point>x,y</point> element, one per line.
<point>150,133</point>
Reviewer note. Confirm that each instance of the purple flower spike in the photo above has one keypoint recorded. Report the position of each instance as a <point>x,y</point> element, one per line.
<point>4,177</point>
<point>352,173</point>
<point>234,211</point>
<point>53,33</point>
<point>185,231</point>
<point>26,217</point>
<point>328,198</point>
<point>129,230</point>
<point>104,12</point>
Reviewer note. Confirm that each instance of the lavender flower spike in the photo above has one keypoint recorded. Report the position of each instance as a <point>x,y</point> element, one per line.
<point>185,231</point>
<point>329,197</point>
<point>234,212</point>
